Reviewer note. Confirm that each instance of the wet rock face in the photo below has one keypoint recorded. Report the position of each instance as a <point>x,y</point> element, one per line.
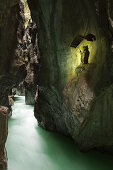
<point>27,52</point>
<point>32,65</point>
<point>12,70</point>
<point>3,136</point>
<point>18,52</point>
<point>13,66</point>
<point>75,97</point>
<point>110,17</point>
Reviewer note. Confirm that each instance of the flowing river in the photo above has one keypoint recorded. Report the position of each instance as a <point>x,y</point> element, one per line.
<point>31,148</point>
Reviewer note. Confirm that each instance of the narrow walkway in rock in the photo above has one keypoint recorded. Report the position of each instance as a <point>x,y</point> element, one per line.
<point>32,148</point>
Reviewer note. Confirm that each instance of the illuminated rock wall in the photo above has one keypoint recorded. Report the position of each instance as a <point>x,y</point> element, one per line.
<point>75,98</point>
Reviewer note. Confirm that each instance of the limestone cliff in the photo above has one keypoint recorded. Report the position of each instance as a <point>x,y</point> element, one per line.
<point>10,69</point>
<point>76,62</point>
<point>18,50</point>
<point>75,84</point>
<point>3,136</point>
<point>15,65</point>
<point>27,51</point>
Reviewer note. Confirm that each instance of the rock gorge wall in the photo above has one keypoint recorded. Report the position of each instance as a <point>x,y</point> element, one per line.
<point>19,51</point>
<point>3,136</point>
<point>27,52</point>
<point>13,66</point>
<point>10,67</point>
<point>32,65</point>
<point>9,22</point>
<point>75,98</point>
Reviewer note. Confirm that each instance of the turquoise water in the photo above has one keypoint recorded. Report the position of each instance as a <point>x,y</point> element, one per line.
<point>31,148</point>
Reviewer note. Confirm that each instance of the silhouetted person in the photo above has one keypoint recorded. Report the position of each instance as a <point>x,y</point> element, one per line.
<point>86,54</point>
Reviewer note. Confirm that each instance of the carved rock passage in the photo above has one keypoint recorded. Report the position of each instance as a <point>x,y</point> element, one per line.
<point>76,104</point>
<point>3,136</point>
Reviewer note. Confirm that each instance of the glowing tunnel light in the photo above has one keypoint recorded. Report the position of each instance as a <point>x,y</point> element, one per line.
<point>83,49</point>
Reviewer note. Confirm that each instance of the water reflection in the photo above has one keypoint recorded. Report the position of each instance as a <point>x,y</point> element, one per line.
<point>32,148</point>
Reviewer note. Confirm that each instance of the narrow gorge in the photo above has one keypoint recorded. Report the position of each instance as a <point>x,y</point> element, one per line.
<point>59,55</point>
